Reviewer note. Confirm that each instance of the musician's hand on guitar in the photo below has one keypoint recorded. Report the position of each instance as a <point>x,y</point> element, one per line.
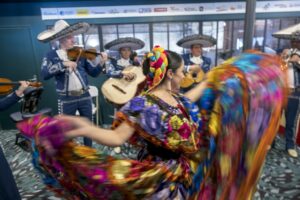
<point>70,64</point>
<point>285,55</point>
<point>128,76</point>
<point>195,68</point>
<point>294,58</point>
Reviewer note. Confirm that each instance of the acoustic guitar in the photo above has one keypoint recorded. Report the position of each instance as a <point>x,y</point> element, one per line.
<point>191,78</point>
<point>120,91</point>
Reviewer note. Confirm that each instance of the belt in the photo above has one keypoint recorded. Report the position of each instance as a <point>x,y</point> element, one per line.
<point>74,93</point>
<point>297,89</point>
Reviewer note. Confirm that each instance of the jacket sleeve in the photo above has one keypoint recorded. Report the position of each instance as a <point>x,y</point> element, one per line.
<point>185,58</point>
<point>92,69</point>
<point>51,66</point>
<point>113,70</point>
<point>9,101</point>
<point>206,66</point>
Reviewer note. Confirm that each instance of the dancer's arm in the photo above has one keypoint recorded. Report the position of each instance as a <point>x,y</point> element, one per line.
<point>195,93</point>
<point>83,127</point>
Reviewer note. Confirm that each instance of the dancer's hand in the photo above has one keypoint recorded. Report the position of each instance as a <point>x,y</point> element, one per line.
<point>79,126</point>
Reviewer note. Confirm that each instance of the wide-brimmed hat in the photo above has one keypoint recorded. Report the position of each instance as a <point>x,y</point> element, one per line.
<point>204,40</point>
<point>290,33</point>
<point>61,29</point>
<point>129,42</point>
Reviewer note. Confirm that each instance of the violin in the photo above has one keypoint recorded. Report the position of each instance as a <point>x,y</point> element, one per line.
<point>77,52</point>
<point>6,85</point>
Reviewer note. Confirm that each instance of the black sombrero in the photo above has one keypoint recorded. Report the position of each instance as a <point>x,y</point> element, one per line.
<point>61,29</point>
<point>129,42</point>
<point>290,33</point>
<point>204,40</point>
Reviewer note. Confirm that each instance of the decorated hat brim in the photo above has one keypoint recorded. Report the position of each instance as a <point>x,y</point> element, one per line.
<point>74,29</point>
<point>132,43</point>
<point>203,40</point>
<point>290,33</point>
<point>294,36</point>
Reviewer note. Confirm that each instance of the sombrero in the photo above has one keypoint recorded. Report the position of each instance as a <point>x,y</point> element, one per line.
<point>204,40</point>
<point>130,42</point>
<point>290,33</point>
<point>61,29</point>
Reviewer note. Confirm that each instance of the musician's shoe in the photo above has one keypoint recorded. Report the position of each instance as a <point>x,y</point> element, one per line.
<point>117,149</point>
<point>293,153</point>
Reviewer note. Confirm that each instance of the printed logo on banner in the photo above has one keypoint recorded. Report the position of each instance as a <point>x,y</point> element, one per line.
<point>170,9</point>
<point>129,11</point>
<point>221,9</point>
<point>145,10</point>
<point>240,6</point>
<point>295,5</point>
<point>160,9</point>
<point>113,11</point>
<point>66,12</point>
<point>46,12</point>
<point>97,12</point>
<point>174,8</point>
<point>82,12</point>
<point>280,5</point>
<point>190,9</point>
<point>266,6</point>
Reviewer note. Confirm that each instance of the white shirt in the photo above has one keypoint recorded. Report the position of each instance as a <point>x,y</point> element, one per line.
<point>197,60</point>
<point>290,79</point>
<point>74,82</point>
<point>123,62</point>
<point>290,70</point>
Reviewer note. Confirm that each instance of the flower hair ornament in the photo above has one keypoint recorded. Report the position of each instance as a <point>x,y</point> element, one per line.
<point>158,66</point>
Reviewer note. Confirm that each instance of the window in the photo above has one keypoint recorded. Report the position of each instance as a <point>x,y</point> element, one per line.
<point>224,41</point>
<point>141,31</point>
<point>210,28</point>
<point>91,38</point>
<point>272,27</point>
<point>125,30</point>
<point>109,33</point>
<point>160,35</point>
<point>284,24</point>
<point>190,28</point>
<point>258,39</point>
<point>175,34</point>
<point>238,34</point>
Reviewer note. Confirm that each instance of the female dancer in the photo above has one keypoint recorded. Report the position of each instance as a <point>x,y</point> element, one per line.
<point>185,153</point>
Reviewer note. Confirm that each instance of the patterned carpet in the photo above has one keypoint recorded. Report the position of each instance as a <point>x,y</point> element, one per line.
<point>280,179</point>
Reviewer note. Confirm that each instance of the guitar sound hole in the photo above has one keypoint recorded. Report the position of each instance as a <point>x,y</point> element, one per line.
<point>119,89</point>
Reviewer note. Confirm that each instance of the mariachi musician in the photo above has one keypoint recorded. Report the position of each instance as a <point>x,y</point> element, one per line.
<point>125,47</point>
<point>194,61</point>
<point>292,110</point>
<point>8,188</point>
<point>71,77</point>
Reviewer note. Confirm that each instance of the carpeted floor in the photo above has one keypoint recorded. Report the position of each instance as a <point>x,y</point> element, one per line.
<point>280,178</point>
